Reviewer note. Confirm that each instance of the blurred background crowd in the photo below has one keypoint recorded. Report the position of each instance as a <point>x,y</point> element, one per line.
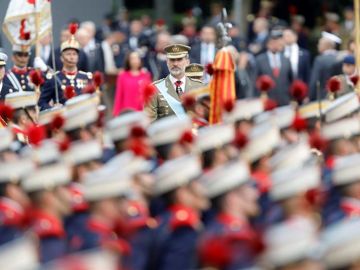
<point>106,46</point>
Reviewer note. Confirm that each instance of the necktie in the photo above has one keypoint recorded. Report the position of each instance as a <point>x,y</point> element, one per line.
<point>276,70</point>
<point>178,88</point>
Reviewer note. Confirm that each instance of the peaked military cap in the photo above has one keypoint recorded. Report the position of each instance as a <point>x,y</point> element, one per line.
<point>349,59</point>
<point>21,48</point>
<point>72,43</point>
<point>331,37</point>
<point>3,59</point>
<point>194,70</point>
<point>19,100</point>
<point>176,51</point>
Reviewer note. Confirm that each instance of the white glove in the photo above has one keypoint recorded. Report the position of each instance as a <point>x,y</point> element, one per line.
<point>39,63</point>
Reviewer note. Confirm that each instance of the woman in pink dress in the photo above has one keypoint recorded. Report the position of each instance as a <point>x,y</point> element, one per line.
<point>129,84</point>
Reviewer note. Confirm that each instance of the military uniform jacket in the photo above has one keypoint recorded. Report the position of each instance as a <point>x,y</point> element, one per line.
<point>51,234</point>
<point>340,209</point>
<point>159,107</point>
<point>48,96</point>
<point>233,242</point>
<point>19,79</point>
<point>174,241</point>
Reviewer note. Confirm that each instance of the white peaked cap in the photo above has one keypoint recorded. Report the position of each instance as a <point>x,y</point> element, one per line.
<point>119,128</point>
<point>225,178</point>
<point>341,243</point>
<point>168,130</point>
<point>169,176</point>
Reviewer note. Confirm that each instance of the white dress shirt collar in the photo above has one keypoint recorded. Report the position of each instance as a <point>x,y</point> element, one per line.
<point>207,53</point>
<point>274,59</point>
<point>183,80</point>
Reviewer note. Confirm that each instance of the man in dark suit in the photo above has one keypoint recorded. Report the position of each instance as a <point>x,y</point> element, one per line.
<point>4,88</point>
<point>277,66</point>
<point>260,28</point>
<point>136,38</point>
<point>323,64</point>
<point>155,60</point>
<point>204,51</point>
<point>299,58</point>
<point>90,46</point>
<point>111,54</point>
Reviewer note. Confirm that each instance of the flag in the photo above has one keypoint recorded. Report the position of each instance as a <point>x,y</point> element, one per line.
<point>222,85</point>
<point>20,21</point>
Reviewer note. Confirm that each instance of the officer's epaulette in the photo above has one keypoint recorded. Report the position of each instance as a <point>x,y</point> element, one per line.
<point>50,74</point>
<point>156,82</point>
<point>87,74</point>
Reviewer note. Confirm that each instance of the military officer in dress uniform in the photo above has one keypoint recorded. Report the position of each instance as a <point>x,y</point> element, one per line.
<point>167,100</point>
<point>5,88</point>
<point>68,76</point>
<point>18,76</point>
